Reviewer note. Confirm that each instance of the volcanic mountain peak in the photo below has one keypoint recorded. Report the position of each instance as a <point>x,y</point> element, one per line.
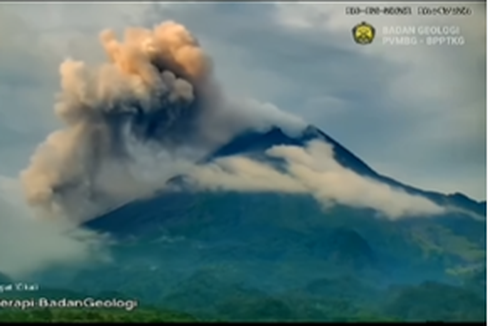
<point>252,142</point>
<point>255,143</point>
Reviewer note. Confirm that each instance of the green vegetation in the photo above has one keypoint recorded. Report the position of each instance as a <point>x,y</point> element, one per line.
<point>205,297</point>
<point>82,315</point>
<point>263,263</point>
<point>437,302</point>
<point>438,240</point>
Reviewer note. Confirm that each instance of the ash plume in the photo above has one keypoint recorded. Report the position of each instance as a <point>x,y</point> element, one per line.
<point>155,90</point>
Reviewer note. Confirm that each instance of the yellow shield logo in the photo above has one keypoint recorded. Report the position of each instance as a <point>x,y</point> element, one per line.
<point>363,33</point>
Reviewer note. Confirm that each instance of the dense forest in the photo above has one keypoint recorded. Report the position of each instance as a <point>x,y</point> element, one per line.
<point>335,300</point>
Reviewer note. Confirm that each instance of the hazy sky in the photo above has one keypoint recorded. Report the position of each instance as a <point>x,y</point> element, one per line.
<point>414,113</point>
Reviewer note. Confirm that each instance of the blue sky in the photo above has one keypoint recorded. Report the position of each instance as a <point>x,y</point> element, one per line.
<point>414,113</point>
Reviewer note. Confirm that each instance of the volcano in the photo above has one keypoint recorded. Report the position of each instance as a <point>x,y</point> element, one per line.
<point>188,248</point>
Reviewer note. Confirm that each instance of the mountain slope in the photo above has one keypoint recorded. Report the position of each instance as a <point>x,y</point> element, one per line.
<point>256,246</point>
<point>238,222</point>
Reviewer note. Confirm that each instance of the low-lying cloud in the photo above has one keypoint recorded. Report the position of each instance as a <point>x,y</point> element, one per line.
<point>28,244</point>
<point>314,170</point>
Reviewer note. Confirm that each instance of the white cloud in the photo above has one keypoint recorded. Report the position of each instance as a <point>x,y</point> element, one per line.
<point>313,170</point>
<point>28,244</point>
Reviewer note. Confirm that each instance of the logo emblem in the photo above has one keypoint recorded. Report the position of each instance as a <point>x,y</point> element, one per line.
<point>363,33</point>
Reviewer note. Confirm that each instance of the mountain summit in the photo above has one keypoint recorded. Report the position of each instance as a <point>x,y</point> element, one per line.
<point>257,142</point>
